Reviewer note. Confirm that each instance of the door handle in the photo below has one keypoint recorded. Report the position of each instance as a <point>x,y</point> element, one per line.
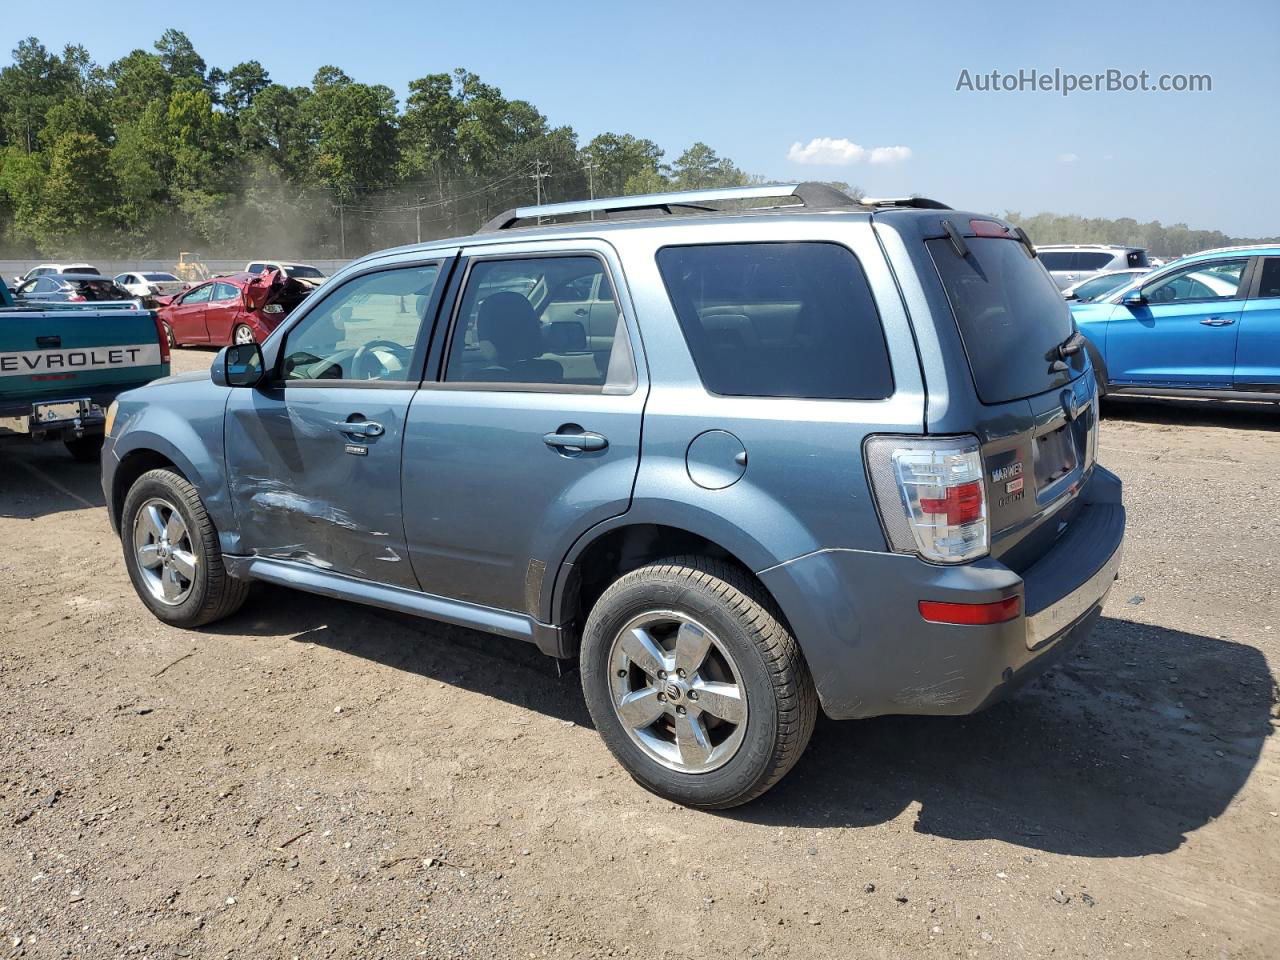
<point>1218,321</point>
<point>360,428</point>
<point>580,312</point>
<point>586,440</point>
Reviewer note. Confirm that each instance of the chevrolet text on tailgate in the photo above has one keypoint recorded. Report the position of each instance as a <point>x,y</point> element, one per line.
<point>62,365</point>
<point>744,454</point>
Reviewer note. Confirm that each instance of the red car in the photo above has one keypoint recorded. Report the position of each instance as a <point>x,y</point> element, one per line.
<point>238,308</point>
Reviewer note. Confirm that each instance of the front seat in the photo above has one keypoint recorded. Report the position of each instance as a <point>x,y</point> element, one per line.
<point>510,334</point>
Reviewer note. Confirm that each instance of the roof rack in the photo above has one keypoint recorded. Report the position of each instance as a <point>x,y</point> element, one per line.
<point>915,203</point>
<point>810,194</point>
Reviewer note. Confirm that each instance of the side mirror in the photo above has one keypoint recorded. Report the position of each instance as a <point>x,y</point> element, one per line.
<point>239,365</point>
<point>1134,298</point>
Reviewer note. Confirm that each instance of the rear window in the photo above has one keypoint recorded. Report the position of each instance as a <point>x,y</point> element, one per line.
<point>1010,314</point>
<point>1138,258</point>
<point>309,273</point>
<point>779,320</point>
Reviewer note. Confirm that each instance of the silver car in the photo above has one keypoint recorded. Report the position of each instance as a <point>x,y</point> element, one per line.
<point>1069,263</point>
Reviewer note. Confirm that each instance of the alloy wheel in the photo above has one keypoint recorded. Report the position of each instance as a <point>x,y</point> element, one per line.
<point>243,334</point>
<point>166,557</point>
<point>677,692</point>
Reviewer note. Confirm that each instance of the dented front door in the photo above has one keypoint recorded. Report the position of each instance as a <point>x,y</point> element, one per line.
<point>311,485</point>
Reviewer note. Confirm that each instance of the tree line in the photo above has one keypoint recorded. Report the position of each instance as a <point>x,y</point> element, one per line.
<point>158,152</point>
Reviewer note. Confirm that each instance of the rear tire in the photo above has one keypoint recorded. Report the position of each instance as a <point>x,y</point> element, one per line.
<point>168,332</point>
<point>172,553</point>
<point>85,449</point>
<point>730,727</point>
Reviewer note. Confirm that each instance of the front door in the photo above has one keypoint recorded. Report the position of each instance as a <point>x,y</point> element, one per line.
<point>519,445</point>
<point>1184,333</point>
<point>314,455</point>
<point>186,316</point>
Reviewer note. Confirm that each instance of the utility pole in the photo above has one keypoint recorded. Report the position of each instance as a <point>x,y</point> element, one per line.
<point>590,167</point>
<point>537,176</point>
<point>417,216</point>
<point>342,229</point>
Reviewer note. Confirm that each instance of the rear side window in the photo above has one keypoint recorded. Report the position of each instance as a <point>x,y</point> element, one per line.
<point>1270,280</point>
<point>779,320</point>
<point>1011,317</point>
<point>1093,261</point>
<point>1056,260</point>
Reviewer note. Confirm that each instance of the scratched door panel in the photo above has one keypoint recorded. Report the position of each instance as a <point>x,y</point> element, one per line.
<point>306,490</point>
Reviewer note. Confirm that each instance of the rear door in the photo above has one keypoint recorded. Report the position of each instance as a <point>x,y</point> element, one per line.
<point>222,312</point>
<point>1258,346</point>
<point>1184,333</point>
<point>313,455</point>
<point>513,449</point>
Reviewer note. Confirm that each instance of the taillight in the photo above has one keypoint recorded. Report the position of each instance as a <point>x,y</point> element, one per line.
<point>76,298</point>
<point>931,496</point>
<point>273,308</point>
<point>163,338</point>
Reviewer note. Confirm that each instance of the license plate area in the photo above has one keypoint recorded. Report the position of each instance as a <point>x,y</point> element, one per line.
<point>1055,456</point>
<point>63,411</point>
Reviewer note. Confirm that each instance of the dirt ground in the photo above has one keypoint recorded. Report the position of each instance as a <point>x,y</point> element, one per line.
<point>316,779</point>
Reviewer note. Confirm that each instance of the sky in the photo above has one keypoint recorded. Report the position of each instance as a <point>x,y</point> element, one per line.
<point>860,92</point>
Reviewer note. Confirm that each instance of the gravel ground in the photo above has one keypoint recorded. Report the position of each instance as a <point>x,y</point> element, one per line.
<point>315,779</point>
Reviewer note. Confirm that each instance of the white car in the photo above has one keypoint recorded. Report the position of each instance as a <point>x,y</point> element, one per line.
<point>147,283</point>
<point>311,276</point>
<point>45,269</point>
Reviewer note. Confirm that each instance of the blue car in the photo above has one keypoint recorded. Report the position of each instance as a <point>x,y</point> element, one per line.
<point>1205,326</point>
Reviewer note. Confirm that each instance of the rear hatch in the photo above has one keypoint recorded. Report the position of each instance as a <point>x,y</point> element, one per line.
<point>1035,413</point>
<point>72,352</point>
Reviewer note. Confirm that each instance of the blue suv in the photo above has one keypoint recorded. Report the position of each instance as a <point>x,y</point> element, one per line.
<point>1204,326</point>
<point>744,454</point>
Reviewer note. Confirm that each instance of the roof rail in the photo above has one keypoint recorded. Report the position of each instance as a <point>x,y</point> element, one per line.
<point>919,203</point>
<point>809,194</point>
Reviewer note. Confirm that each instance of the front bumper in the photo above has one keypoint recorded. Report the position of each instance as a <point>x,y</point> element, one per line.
<point>856,615</point>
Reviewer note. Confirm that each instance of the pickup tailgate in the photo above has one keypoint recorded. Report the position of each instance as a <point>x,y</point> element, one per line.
<point>63,353</point>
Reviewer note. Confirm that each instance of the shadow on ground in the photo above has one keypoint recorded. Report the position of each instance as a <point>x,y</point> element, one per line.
<point>40,479</point>
<point>1237,414</point>
<point>1143,737</point>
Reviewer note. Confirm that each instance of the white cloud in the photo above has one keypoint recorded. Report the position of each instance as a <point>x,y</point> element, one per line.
<point>1067,158</point>
<point>890,154</point>
<point>842,152</point>
<point>826,151</point>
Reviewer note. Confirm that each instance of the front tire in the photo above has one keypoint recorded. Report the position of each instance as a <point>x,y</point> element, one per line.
<point>243,333</point>
<point>171,552</point>
<point>695,683</point>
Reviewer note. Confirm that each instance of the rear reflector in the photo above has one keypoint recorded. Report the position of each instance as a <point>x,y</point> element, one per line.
<point>971,614</point>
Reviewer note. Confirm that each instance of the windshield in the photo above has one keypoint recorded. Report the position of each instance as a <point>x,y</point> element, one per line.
<point>297,270</point>
<point>1011,317</point>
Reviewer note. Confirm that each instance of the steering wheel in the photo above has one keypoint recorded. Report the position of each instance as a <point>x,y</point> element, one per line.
<point>364,357</point>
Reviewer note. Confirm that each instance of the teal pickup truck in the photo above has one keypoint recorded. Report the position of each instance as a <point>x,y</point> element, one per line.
<point>61,365</point>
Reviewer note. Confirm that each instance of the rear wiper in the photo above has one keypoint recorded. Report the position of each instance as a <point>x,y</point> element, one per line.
<point>1072,345</point>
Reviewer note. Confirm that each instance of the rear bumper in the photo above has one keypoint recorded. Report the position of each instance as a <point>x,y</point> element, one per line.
<point>856,615</point>
<point>54,419</point>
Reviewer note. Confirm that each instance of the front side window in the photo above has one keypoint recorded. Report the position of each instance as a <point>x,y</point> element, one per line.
<point>779,320</point>
<point>532,321</point>
<point>1219,280</point>
<point>198,295</point>
<point>365,330</point>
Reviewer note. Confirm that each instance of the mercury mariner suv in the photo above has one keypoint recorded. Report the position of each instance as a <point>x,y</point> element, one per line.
<point>743,453</point>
